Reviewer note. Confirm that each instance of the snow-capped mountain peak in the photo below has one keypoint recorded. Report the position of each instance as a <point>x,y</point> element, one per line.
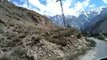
<point>82,20</point>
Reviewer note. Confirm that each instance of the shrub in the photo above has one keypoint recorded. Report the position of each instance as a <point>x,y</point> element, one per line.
<point>19,52</point>
<point>92,43</point>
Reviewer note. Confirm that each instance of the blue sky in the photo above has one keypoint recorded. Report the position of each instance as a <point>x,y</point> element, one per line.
<point>51,7</point>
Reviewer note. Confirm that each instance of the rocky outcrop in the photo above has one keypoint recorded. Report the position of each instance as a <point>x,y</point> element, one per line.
<point>27,35</point>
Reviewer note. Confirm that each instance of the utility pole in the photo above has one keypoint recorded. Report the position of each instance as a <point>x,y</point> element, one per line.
<point>27,3</point>
<point>18,2</point>
<point>63,16</point>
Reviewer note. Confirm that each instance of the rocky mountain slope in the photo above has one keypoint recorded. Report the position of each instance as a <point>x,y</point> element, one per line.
<point>100,23</point>
<point>27,35</point>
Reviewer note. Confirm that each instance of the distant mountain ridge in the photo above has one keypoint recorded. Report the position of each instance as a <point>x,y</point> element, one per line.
<point>80,22</point>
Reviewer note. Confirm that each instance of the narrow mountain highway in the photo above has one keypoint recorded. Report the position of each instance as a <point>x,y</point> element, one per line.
<point>99,51</point>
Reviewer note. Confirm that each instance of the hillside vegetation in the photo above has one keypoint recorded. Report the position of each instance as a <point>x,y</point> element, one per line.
<point>27,35</point>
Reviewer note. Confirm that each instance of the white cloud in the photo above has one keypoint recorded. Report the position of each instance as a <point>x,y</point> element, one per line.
<point>92,6</point>
<point>52,7</point>
<point>37,4</point>
<point>82,5</point>
<point>105,1</point>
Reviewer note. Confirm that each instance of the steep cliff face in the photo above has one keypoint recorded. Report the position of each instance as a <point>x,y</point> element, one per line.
<point>102,28</point>
<point>99,27</point>
<point>100,23</point>
<point>27,35</point>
